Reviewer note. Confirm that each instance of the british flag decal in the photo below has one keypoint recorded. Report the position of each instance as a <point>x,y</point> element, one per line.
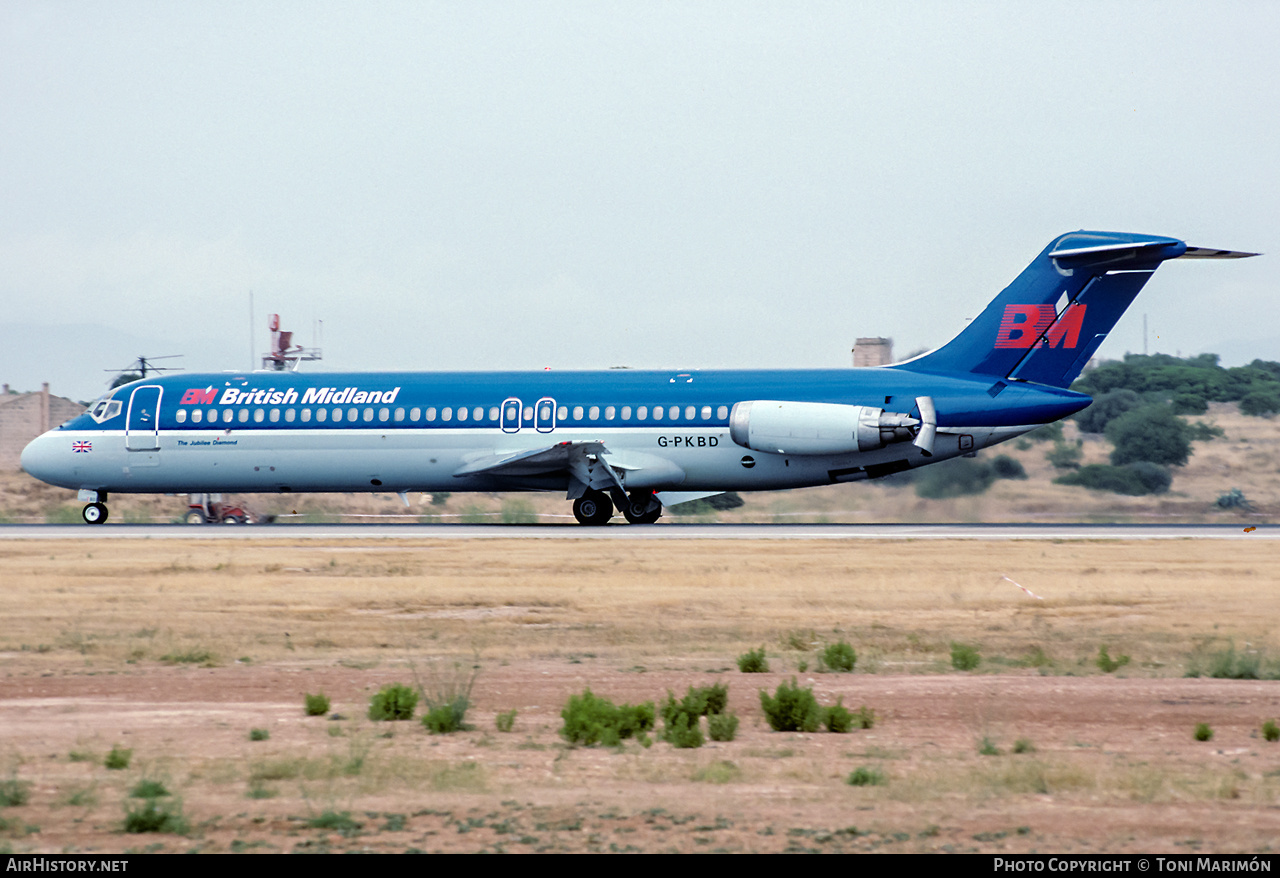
<point>81,446</point>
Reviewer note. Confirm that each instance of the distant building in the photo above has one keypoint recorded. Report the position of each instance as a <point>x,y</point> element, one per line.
<point>872,352</point>
<point>24,416</point>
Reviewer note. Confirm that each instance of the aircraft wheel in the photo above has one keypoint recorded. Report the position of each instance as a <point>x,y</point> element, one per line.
<point>94,513</point>
<point>593,508</point>
<point>194,516</point>
<point>639,511</point>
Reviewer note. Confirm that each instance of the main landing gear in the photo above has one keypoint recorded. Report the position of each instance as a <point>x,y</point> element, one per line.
<point>642,508</point>
<point>594,508</point>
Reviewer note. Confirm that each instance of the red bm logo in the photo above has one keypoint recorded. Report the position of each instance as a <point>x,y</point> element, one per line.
<point>197,396</point>
<point>1023,325</point>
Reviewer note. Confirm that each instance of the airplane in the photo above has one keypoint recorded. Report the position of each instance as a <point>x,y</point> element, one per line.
<point>634,441</point>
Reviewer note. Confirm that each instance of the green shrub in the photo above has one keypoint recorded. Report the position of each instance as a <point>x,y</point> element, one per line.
<point>1024,745</point>
<point>1202,432</point>
<point>118,759</point>
<point>1264,401</point>
<point>1064,456</point>
<point>589,720</point>
<point>13,793</point>
<point>1233,499</point>
<point>445,718</point>
<point>257,790</point>
<point>791,709</point>
<point>1230,665</point>
<point>156,816</point>
<point>1152,433</point>
<point>1203,732</point>
<point>839,657</point>
<point>393,702</point>
<point>447,694</point>
<point>722,726</point>
<point>1105,408</point>
<point>1047,433</point>
<point>964,657</point>
<point>148,789</point>
<point>317,705</point>
<point>505,721</point>
<point>1108,665</point>
<point>1271,731</point>
<point>837,718</point>
<point>1134,480</point>
<point>864,718</point>
<point>193,656</point>
<point>702,701</point>
<point>684,732</point>
<point>338,821</point>
<point>259,734</point>
<point>1007,467</point>
<point>1188,404</point>
<point>1155,478</point>
<point>954,478</point>
<point>987,747</point>
<point>865,776</point>
<point>680,719</point>
<point>753,662</point>
<point>717,698</point>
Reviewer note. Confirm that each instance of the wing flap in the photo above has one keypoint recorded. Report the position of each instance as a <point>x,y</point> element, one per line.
<point>533,462</point>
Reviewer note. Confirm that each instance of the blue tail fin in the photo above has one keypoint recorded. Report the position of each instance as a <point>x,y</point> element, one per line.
<point>1046,325</point>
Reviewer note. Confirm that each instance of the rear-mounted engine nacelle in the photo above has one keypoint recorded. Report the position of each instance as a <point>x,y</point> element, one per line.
<point>816,427</point>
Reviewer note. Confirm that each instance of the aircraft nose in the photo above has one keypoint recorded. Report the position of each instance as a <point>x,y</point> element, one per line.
<point>43,458</point>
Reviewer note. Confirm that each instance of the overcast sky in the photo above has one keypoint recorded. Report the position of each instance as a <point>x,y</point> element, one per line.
<point>581,185</point>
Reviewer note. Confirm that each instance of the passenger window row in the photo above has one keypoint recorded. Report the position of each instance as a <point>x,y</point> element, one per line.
<point>352,415</point>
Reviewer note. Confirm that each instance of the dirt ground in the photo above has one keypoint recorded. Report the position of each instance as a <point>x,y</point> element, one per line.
<point>177,652</point>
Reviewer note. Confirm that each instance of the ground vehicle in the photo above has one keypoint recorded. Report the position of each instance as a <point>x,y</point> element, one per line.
<point>210,509</point>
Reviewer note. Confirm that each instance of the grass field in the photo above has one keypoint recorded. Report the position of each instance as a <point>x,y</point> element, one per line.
<point>1162,603</point>
<point>179,651</point>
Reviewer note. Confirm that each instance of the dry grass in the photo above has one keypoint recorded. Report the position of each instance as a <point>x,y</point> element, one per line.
<point>88,626</point>
<point>901,603</point>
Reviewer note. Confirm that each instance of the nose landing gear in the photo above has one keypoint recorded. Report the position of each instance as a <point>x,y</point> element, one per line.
<point>94,513</point>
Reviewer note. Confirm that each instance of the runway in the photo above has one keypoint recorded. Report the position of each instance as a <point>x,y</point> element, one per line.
<point>673,531</point>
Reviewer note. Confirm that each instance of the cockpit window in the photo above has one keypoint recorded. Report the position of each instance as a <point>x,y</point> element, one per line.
<point>105,409</point>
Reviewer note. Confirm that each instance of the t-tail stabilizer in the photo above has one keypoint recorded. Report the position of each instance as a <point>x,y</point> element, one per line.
<point>1044,327</point>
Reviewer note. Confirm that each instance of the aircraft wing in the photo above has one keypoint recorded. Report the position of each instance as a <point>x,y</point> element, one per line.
<point>590,465</point>
<point>551,459</point>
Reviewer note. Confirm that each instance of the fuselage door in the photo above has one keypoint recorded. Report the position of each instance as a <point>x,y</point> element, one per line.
<point>544,415</point>
<point>142,426</point>
<point>511,411</point>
